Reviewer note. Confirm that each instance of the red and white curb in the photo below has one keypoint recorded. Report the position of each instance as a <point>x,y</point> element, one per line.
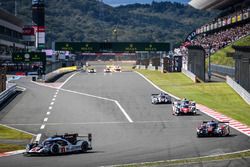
<point>11,153</point>
<point>220,117</point>
<point>216,115</point>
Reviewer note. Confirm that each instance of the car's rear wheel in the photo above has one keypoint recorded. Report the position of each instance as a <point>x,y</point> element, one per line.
<point>55,149</point>
<point>84,147</point>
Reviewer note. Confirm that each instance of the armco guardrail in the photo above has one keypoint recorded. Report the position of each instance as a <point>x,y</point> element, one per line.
<point>222,70</point>
<point>241,91</point>
<point>11,89</point>
<point>189,74</point>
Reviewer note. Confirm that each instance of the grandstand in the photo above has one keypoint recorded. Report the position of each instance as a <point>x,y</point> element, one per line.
<point>10,35</point>
<point>232,24</point>
<point>229,27</point>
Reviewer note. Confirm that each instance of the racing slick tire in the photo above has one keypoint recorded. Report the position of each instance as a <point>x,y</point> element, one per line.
<point>84,147</point>
<point>55,149</point>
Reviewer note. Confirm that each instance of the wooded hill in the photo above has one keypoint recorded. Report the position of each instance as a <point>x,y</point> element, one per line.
<point>90,20</point>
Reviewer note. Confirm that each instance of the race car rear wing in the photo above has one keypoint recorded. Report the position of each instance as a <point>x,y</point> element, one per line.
<point>89,137</point>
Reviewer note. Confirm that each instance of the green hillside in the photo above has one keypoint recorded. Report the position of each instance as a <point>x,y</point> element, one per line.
<point>90,20</point>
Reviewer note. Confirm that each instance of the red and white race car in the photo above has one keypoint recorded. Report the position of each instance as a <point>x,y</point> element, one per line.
<point>184,107</point>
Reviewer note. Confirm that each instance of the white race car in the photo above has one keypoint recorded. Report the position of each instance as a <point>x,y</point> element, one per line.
<point>107,70</point>
<point>91,70</point>
<point>160,98</point>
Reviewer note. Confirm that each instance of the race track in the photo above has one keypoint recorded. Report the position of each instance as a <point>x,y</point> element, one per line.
<point>116,108</point>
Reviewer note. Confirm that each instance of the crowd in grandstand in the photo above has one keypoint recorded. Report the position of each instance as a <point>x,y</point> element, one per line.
<point>212,43</point>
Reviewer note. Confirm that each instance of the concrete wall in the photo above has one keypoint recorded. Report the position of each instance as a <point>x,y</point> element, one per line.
<point>189,74</point>
<point>241,91</point>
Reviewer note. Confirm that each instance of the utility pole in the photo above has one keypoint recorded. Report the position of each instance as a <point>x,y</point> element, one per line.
<point>15,8</point>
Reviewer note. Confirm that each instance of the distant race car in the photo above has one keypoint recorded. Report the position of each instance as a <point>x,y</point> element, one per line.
<point>160,98</point>
<point>212,128</point>
<point>60,144</point>
<point>184,107</point>
<point>117,69</point>
<point>91,70</point>
<point>107,70</point>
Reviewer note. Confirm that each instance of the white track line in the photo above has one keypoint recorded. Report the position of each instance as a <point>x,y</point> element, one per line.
<point>22,88</point>
<point>89,95</point>
<point>157,86</point>
<point>7,126</point>
<point>67,80</point>
<point>103,98</point>
<point>50,108</point>
<point>48,113</point>
<point>45,119</point>
<point>123,111</point>
<point>43,84</point>
<point>38,137</point>
<point>42,127</point>
<point>52,103</point>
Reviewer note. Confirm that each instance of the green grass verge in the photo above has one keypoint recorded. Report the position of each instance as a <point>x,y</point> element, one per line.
<point>220,57</point>
<point>7,133</point>
<point>186,161</point>
<point>218,96</point>
<point>243,42</point>
<point>10,147</point>
<point>11,134</point>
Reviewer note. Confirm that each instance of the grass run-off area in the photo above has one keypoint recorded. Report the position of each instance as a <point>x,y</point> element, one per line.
<point>220,57</point>
<point>7,134</point>
<point>196,160</point>
<point>218,95</point>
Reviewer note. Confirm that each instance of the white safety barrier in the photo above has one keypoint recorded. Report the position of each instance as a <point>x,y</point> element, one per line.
<point>160,68</point>
<point>189,74</point>
<point>151,67</point>
<point>11,89</point>
<point>241,91</point>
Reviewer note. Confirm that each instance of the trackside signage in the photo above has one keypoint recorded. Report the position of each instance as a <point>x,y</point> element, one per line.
<point>28,57</point>
<point>93,47</point>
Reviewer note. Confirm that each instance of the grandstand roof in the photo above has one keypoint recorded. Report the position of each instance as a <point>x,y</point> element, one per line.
<point>214,4</point>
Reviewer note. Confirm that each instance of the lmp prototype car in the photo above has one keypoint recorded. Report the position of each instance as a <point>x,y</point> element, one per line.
<point>184,107</point>
<point>212,128</point>
<point>117,69</point>
<point>60,144</point>
<point>160,98</point>
<point>91,70</point>
<point>107,70</point>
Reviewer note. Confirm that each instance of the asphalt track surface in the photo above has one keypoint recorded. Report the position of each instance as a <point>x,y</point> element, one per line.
<point>89,103</point>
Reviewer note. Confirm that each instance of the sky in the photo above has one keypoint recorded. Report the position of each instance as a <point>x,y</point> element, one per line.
<point>124,2</point>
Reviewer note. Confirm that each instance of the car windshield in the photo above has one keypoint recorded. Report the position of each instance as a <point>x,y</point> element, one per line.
<point>48,142</point>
